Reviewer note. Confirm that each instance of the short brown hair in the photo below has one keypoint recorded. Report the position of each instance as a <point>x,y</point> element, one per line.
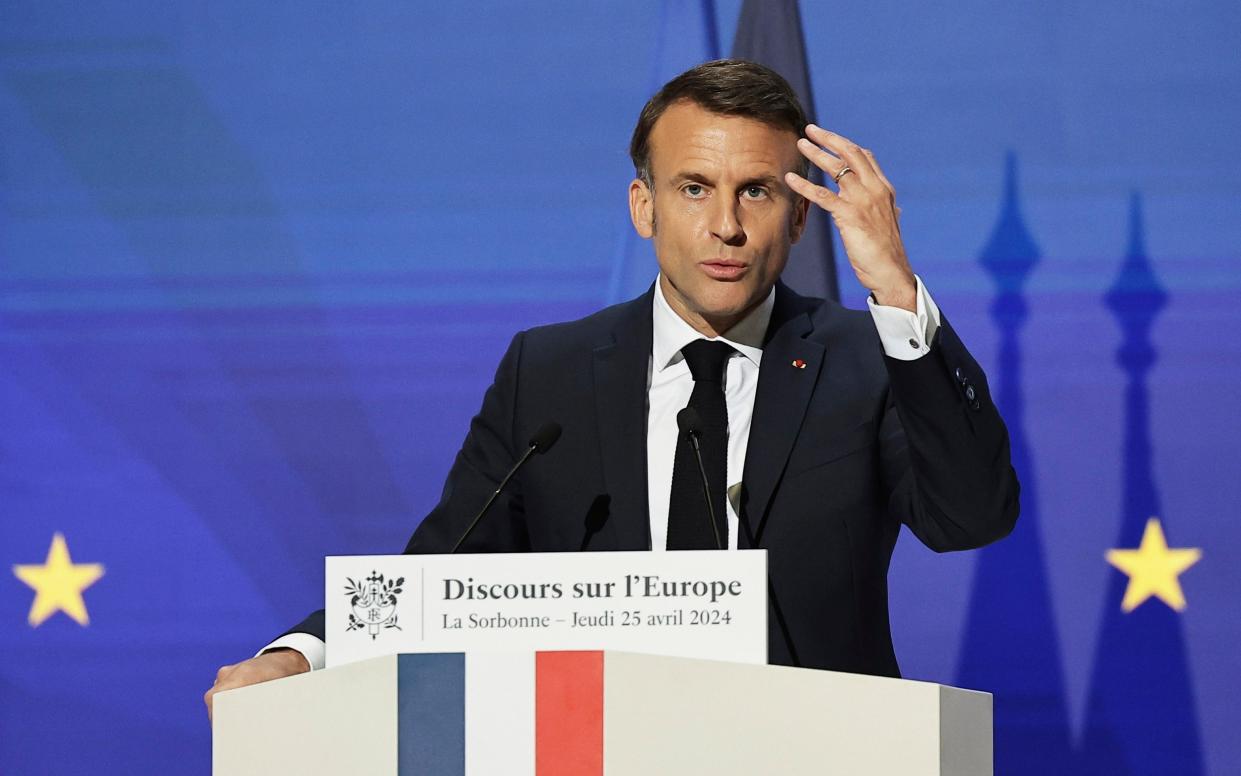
<point>731,87</point>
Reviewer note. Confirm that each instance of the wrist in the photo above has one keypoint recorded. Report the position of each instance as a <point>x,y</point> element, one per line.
<point>295,662</point>
<point>903,294</point>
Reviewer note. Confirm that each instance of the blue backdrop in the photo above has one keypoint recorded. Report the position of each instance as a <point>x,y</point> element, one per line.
<point>258,263</point>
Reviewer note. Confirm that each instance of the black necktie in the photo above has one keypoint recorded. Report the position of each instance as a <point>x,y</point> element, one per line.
<point>689,527</point>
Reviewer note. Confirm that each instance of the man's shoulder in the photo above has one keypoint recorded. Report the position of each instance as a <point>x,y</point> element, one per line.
<point>600,328</point>
<point>555,351</point>
<point>829,319</point>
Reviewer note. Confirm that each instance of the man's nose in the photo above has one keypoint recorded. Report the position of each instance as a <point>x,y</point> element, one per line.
<point>726,221</point>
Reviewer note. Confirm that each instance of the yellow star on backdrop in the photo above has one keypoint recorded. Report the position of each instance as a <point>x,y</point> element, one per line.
<point>1153,569</point>
<point>58,584</point>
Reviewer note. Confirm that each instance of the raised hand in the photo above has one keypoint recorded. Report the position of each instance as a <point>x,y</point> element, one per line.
<point>865,212</point>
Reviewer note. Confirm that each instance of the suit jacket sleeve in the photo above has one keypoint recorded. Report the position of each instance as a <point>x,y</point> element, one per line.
<point>946,450</point>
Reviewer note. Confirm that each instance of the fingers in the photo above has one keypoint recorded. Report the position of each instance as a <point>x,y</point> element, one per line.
<point>833,154</point>
<point>826,162</point>
<point>208,696</point>
<point>879,172</point>
<point>860,160</point>
<point>221,683</point>
<point>267,666</point>
<point>852,154</point>
<point>820,195</point>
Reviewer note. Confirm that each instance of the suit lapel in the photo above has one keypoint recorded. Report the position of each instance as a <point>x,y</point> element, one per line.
<point>620,375</point>
<point>783,395</point>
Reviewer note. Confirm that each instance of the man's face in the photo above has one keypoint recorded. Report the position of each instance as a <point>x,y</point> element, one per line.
<point>721,216</point>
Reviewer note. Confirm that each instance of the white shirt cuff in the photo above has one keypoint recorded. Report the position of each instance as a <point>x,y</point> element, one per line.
<point>311,648</point>
<point>905,335</point>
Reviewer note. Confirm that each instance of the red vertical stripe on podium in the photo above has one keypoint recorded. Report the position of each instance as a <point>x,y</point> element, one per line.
<point>568,714</point>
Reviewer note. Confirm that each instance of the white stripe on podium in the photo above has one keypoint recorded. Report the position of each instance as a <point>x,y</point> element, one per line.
<point>499,713</point>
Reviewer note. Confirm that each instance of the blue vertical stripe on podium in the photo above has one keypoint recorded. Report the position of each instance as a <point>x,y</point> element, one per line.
<point>431,715</point>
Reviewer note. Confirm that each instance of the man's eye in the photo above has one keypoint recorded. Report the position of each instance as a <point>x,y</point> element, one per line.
<point>694,190</point>
<point>755,192</point>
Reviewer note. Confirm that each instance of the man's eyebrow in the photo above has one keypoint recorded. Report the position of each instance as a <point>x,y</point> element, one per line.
<point>757,180</point>
<point>761,180</point>
<point>691,176</point>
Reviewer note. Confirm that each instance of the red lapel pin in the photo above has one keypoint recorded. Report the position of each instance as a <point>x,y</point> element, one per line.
<point>797,362</point>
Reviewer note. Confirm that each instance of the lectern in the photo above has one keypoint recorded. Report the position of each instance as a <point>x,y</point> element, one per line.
<point>596,713</point>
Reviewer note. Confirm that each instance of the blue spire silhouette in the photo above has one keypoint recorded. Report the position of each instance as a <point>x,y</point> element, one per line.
<point>1010,646</point>
<point>1140,716</point>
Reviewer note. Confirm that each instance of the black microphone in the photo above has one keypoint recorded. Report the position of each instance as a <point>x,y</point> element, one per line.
<point>691,425</point>
<point>540,442</point>
<point>543,439</point>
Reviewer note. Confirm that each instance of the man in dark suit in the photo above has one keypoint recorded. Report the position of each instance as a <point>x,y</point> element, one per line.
<point>828,428</point>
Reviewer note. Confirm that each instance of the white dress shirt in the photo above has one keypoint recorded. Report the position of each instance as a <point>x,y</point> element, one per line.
<point>668,387</point>
<point>905,335</point>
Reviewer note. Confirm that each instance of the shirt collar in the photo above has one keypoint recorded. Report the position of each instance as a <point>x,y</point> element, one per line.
<point>672,332</point>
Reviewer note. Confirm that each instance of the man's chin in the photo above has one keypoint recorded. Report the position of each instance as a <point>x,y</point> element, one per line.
<point>721,304</point>
<point>728,312</point>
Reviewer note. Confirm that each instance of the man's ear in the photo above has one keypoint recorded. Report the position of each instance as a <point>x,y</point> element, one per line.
<point>798,226</point>
<point>642,208</point>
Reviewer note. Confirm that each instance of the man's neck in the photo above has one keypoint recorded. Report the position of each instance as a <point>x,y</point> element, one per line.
<point>709,327</point>
<point>672,331</point>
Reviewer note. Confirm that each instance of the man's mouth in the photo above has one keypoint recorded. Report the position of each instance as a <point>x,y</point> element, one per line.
<point>724,269</point>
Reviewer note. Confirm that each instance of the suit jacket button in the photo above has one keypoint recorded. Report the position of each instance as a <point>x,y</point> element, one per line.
<point>959,375</point>
<point>971,395</point>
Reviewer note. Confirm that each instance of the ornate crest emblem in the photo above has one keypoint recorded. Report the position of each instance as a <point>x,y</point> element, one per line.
<point>373,602</point>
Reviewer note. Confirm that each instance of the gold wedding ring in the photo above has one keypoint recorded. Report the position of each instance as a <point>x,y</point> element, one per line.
<point>843,172</point>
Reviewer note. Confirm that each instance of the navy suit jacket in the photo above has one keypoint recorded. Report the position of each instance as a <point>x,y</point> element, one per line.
<point>841,453</point>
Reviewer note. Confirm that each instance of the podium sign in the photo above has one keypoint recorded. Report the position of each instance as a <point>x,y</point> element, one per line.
<point>704,604</point>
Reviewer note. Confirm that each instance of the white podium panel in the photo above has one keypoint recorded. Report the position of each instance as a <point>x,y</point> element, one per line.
<point>592,713</point>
